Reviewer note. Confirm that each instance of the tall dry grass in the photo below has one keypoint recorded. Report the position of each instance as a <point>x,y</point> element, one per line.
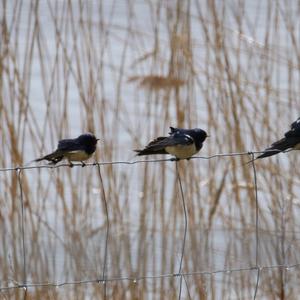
<point>126,70</point>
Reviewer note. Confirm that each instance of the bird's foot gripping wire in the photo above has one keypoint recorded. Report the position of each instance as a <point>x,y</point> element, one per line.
<point>174,159</point>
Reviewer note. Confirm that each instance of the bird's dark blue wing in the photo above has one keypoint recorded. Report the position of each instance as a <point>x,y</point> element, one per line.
<point>295,129</point>
<point>174,130</point>
<point>291,140</point>
<point>69,145</point>
<point>173,140</point>
<point>280,146</point>
<point>158,145</point>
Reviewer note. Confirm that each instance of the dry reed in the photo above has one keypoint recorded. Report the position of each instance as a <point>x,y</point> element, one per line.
<point>126,70</point>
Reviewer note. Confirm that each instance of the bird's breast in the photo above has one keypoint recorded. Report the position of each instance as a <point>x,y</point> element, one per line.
<point>182,151</point>
<point>297,147</point>
<point>77,155</point>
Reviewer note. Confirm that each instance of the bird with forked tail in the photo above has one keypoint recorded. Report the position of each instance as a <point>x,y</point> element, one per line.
<point>181,143</point>
<point>78,149</point>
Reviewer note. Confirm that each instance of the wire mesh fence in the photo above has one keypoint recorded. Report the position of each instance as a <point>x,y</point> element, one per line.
<point>181,276</point>
<point>212,227</point>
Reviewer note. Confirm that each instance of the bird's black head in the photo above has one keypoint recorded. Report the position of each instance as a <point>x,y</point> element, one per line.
<point>88,139</point>
<point>199,136</point>
<point>88,142</point>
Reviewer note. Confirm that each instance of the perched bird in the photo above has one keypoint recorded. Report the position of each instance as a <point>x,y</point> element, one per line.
<point>78,149</point>
<point>182,143</point>
<point>291,141</point>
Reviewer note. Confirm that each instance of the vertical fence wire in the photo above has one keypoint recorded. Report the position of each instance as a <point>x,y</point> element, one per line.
<point>185,230</point>
<point>256,224</point>
<point>103,279</point>
<point>24,279</point>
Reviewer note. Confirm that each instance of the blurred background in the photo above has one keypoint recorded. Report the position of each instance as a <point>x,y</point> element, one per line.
<point>126,71</point>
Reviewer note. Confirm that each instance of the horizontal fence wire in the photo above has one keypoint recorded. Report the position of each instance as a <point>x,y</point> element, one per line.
<point>51,166</point>
<point>103,279</point>
<point>136,279</point>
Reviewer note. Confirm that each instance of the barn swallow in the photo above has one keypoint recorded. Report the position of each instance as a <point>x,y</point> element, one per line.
<point>78,149</point>
<point>291,141</point>
<point>181,143</point>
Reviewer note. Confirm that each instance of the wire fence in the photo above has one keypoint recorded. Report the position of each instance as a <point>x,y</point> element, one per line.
<point>104,279</point>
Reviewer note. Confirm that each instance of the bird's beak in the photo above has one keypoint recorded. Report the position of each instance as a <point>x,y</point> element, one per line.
<point>208,136</point>
<point>97,140</point>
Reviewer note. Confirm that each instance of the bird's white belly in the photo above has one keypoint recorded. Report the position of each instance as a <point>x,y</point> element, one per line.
<point>182,151</point>
<point>297,147</point>
<point>77,156</point>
